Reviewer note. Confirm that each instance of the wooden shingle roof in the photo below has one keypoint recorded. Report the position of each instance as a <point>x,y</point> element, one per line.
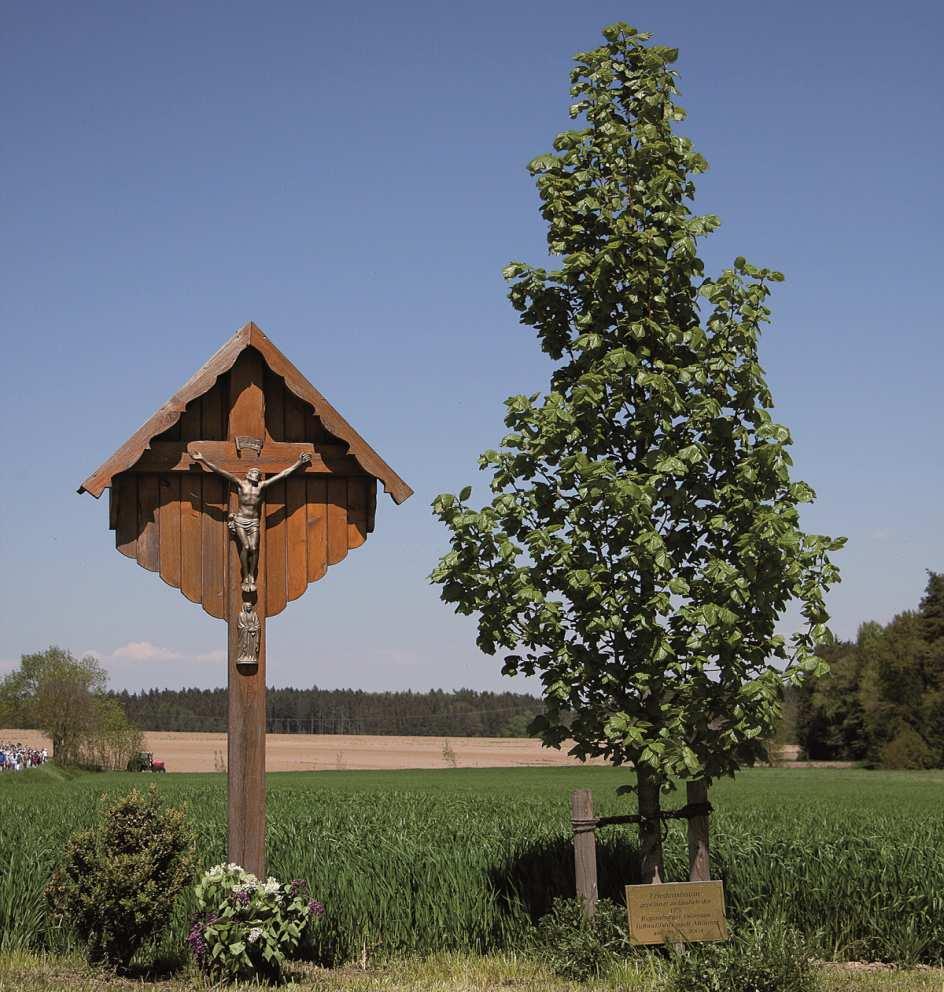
<point>248,336</point>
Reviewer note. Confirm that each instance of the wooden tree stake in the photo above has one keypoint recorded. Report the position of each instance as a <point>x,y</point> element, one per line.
<point>585,848</point>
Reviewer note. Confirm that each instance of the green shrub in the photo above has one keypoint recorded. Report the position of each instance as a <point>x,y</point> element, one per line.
<point>764,957</point>
<point>120,879</point>
<point>574,946</point>
<point>248,928</point>
<point>137,762</point>
<point>907,750</point>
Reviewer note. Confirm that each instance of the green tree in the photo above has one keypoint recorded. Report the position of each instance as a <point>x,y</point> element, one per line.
<point>895,692</point>
<point>907,751</point>
<point>64,696</point>
<point>55,692</point>
<point>931,609</point>
<point>113,740</point>
<point>831,717</point>
<point>643,537</point>
<point>931,612</point>
<point>896,680</point>
<point>884,691</point>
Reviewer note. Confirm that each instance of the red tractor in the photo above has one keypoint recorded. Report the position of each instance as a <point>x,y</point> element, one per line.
<point>144,761</point>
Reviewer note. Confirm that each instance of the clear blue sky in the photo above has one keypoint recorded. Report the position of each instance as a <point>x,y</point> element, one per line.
<point>352,177</point>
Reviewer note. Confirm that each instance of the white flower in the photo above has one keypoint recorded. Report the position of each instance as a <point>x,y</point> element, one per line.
<point>254,934</point>
<point>271,886</point>
<point>231,869</point>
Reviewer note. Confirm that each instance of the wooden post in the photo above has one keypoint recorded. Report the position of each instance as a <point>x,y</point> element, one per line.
<point>247,693</point>
<point>585,848</point>
<point>246,751</point>
<point>699,869</point>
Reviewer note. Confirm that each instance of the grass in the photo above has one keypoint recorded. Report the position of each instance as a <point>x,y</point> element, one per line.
<point>462,861</point>
<point>23,972</point>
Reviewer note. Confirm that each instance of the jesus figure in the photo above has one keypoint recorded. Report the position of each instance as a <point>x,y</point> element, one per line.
<point>244,523</point>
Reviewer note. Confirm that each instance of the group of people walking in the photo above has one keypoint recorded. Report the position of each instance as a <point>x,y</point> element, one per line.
<point>16,757</point>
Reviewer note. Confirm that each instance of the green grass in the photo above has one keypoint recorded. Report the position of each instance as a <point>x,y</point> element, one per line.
<point>463,860</point>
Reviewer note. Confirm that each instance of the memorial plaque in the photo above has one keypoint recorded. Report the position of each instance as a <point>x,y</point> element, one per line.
<point>676,912</point>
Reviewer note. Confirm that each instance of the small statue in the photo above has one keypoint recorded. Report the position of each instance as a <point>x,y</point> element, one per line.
<point>244,523</point>
<point>247,624</point>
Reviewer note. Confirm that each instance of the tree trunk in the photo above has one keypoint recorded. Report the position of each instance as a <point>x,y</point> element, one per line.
<point>698,863</point>
<point>650,828</point>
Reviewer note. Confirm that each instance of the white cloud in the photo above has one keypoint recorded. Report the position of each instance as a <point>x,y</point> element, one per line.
<point>397,656</point>
<point>145,651</point>
<point>218,655</point>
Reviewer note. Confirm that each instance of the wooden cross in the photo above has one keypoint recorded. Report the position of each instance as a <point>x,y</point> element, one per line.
<point>246,694</point>
<point>248,407</point>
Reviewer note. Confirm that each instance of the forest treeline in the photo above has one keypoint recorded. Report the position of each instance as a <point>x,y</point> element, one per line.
<point>463,713</point>
<point>883,701</point>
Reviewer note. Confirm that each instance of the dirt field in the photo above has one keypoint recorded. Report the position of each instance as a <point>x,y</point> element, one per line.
<point>304,752</point>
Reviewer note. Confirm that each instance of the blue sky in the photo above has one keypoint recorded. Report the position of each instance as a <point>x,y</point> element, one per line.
<point>352,177</point>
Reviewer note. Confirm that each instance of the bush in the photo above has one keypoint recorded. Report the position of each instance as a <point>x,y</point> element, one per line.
<point>111,740</point>
<point>907,750</point>
<point>248,928</point>
<point>137,762</point>
<point>574,946</point>
<point>120,879</point>
<point>764,957</point>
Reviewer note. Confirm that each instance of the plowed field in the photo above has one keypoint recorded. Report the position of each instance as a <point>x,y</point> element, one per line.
<point>318,752</point>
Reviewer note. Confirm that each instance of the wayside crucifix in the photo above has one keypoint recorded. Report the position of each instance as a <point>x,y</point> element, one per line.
<point>240,491</point>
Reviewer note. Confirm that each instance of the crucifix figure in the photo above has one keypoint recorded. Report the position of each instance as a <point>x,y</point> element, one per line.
<point>244,523</point>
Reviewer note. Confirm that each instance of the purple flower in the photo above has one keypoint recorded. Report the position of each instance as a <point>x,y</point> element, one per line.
<point>241,897</point>
<point>296,886</point>
<point>197,943</point>
<point>316,908</point>
<point>197,938</point>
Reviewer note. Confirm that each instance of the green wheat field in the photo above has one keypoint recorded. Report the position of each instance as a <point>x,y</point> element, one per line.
<point>468,859</point>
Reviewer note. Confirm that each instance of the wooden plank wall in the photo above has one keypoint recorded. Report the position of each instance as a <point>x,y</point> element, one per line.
<point>310,522</point>
<point>174,523</point>
<point>215,532</point>
<point>276,587</point>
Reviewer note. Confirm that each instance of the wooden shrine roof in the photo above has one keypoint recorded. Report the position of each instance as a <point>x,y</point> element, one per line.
<point>249,336</point>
